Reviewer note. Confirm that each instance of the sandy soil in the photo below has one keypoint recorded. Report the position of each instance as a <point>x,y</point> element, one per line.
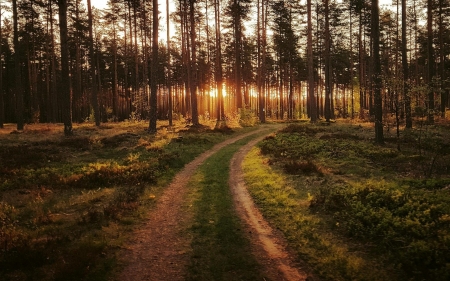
<point>268,245</point>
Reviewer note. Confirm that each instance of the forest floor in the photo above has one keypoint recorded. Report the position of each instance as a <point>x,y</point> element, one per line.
<point>295,201</point>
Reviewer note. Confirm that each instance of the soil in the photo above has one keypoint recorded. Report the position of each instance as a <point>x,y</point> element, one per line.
<point>160,251</point>
<point>269,246</point>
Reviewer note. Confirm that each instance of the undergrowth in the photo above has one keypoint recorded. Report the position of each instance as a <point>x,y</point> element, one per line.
<point>355,210</point>
<point>68,203</point>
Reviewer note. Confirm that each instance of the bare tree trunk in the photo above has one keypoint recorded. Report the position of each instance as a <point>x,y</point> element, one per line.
<point>17,75</point>
<point>237,50</point>
<point>220,102</point>
<point>193,68</point>
<point>327,63</point>
<point>406,94</point>
<point>377,74</point>
<point>2,105</point>
<point>154,85</point>
<point>94,94</point>
<point>65,77</point>
<point>312,99</point>
<point>169,66</point>
<point>430,107</point>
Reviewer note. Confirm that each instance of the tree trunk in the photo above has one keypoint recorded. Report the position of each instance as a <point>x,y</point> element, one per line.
<point>2,105</point>
<point>169,66</point>
<point>327,63</point>
<point>65,77</point>
<point>94,94</point>
<point>378,107</point>
<point>406,94</point>
<point>312,99</point>
<point>430,107</point>
<point>17,74</point>
<point>193,68</point>
<point>154,85</point>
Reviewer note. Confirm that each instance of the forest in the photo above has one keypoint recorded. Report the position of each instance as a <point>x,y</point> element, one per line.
<point>225,140</point>
<point>63,61</point>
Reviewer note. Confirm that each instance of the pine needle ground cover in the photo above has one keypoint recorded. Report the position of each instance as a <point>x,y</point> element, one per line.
<point>354,210</point>
<point>68,203</point>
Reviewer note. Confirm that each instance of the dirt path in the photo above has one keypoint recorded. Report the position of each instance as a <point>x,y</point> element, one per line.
<point>158,251</point>
<point>268,246</point>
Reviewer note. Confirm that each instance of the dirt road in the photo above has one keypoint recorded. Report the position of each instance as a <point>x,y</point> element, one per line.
<point>159,251</point>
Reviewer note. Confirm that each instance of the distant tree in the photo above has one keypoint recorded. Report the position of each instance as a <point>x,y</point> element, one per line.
<point>327,60</point>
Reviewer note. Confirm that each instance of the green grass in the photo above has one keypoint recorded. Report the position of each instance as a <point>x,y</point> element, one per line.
<point>354,210</point>
<point>220,248</point>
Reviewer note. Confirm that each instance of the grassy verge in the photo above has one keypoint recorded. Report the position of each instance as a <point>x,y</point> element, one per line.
<point>220,249</point>
<point>68,203</point>
<point>353,210</point>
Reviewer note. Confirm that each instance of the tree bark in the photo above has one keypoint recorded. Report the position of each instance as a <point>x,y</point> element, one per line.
<point>430,76</point>
<point>17,74</point>
<point>378,107</point>
<point>406,94</point>
<point>312,99</point>
<point>154,75</point>
<point>94,94</point>
<point>327,63</point>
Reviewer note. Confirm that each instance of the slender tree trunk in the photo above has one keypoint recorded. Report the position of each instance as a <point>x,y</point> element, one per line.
<point>65,76</point>
<point>17,74</point>
<point>2,105</point>
<point>193,68</point>
<point>378,107</point>
<point>237,50</point>
<point>327,63</point>
<point>430,107</point>
<point>169,65</point>
<point>220,101</point>
<point>406,94</point>
<point>442,60</point>
<point>154,85</point>
<point>312,99</point>
<point>351,65</point>
<point>94,94</point>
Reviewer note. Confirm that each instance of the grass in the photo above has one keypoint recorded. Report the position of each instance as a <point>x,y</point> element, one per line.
<point>68,203</point>
<point>353,210</point>
<point>220,248</point>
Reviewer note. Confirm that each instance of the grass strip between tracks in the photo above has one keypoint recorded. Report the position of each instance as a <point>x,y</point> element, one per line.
<point>220,248</point>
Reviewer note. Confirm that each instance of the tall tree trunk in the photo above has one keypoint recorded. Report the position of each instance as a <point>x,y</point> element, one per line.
<point>351,64</point>
<point>406,94</point>
<point>193,68</point>
<point>2,105</point>
<point>218,77</point>
<point>378,106</point>
<point>312,99</point>
<point>94,94</point>
<point>444,90</point>
<point>430,107</point>
<point>17,74</point>
<point>154,82</point>
<point>169,65</point>
<point>65,77</point>
<point>327,63</point>
<point>237,50</point>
